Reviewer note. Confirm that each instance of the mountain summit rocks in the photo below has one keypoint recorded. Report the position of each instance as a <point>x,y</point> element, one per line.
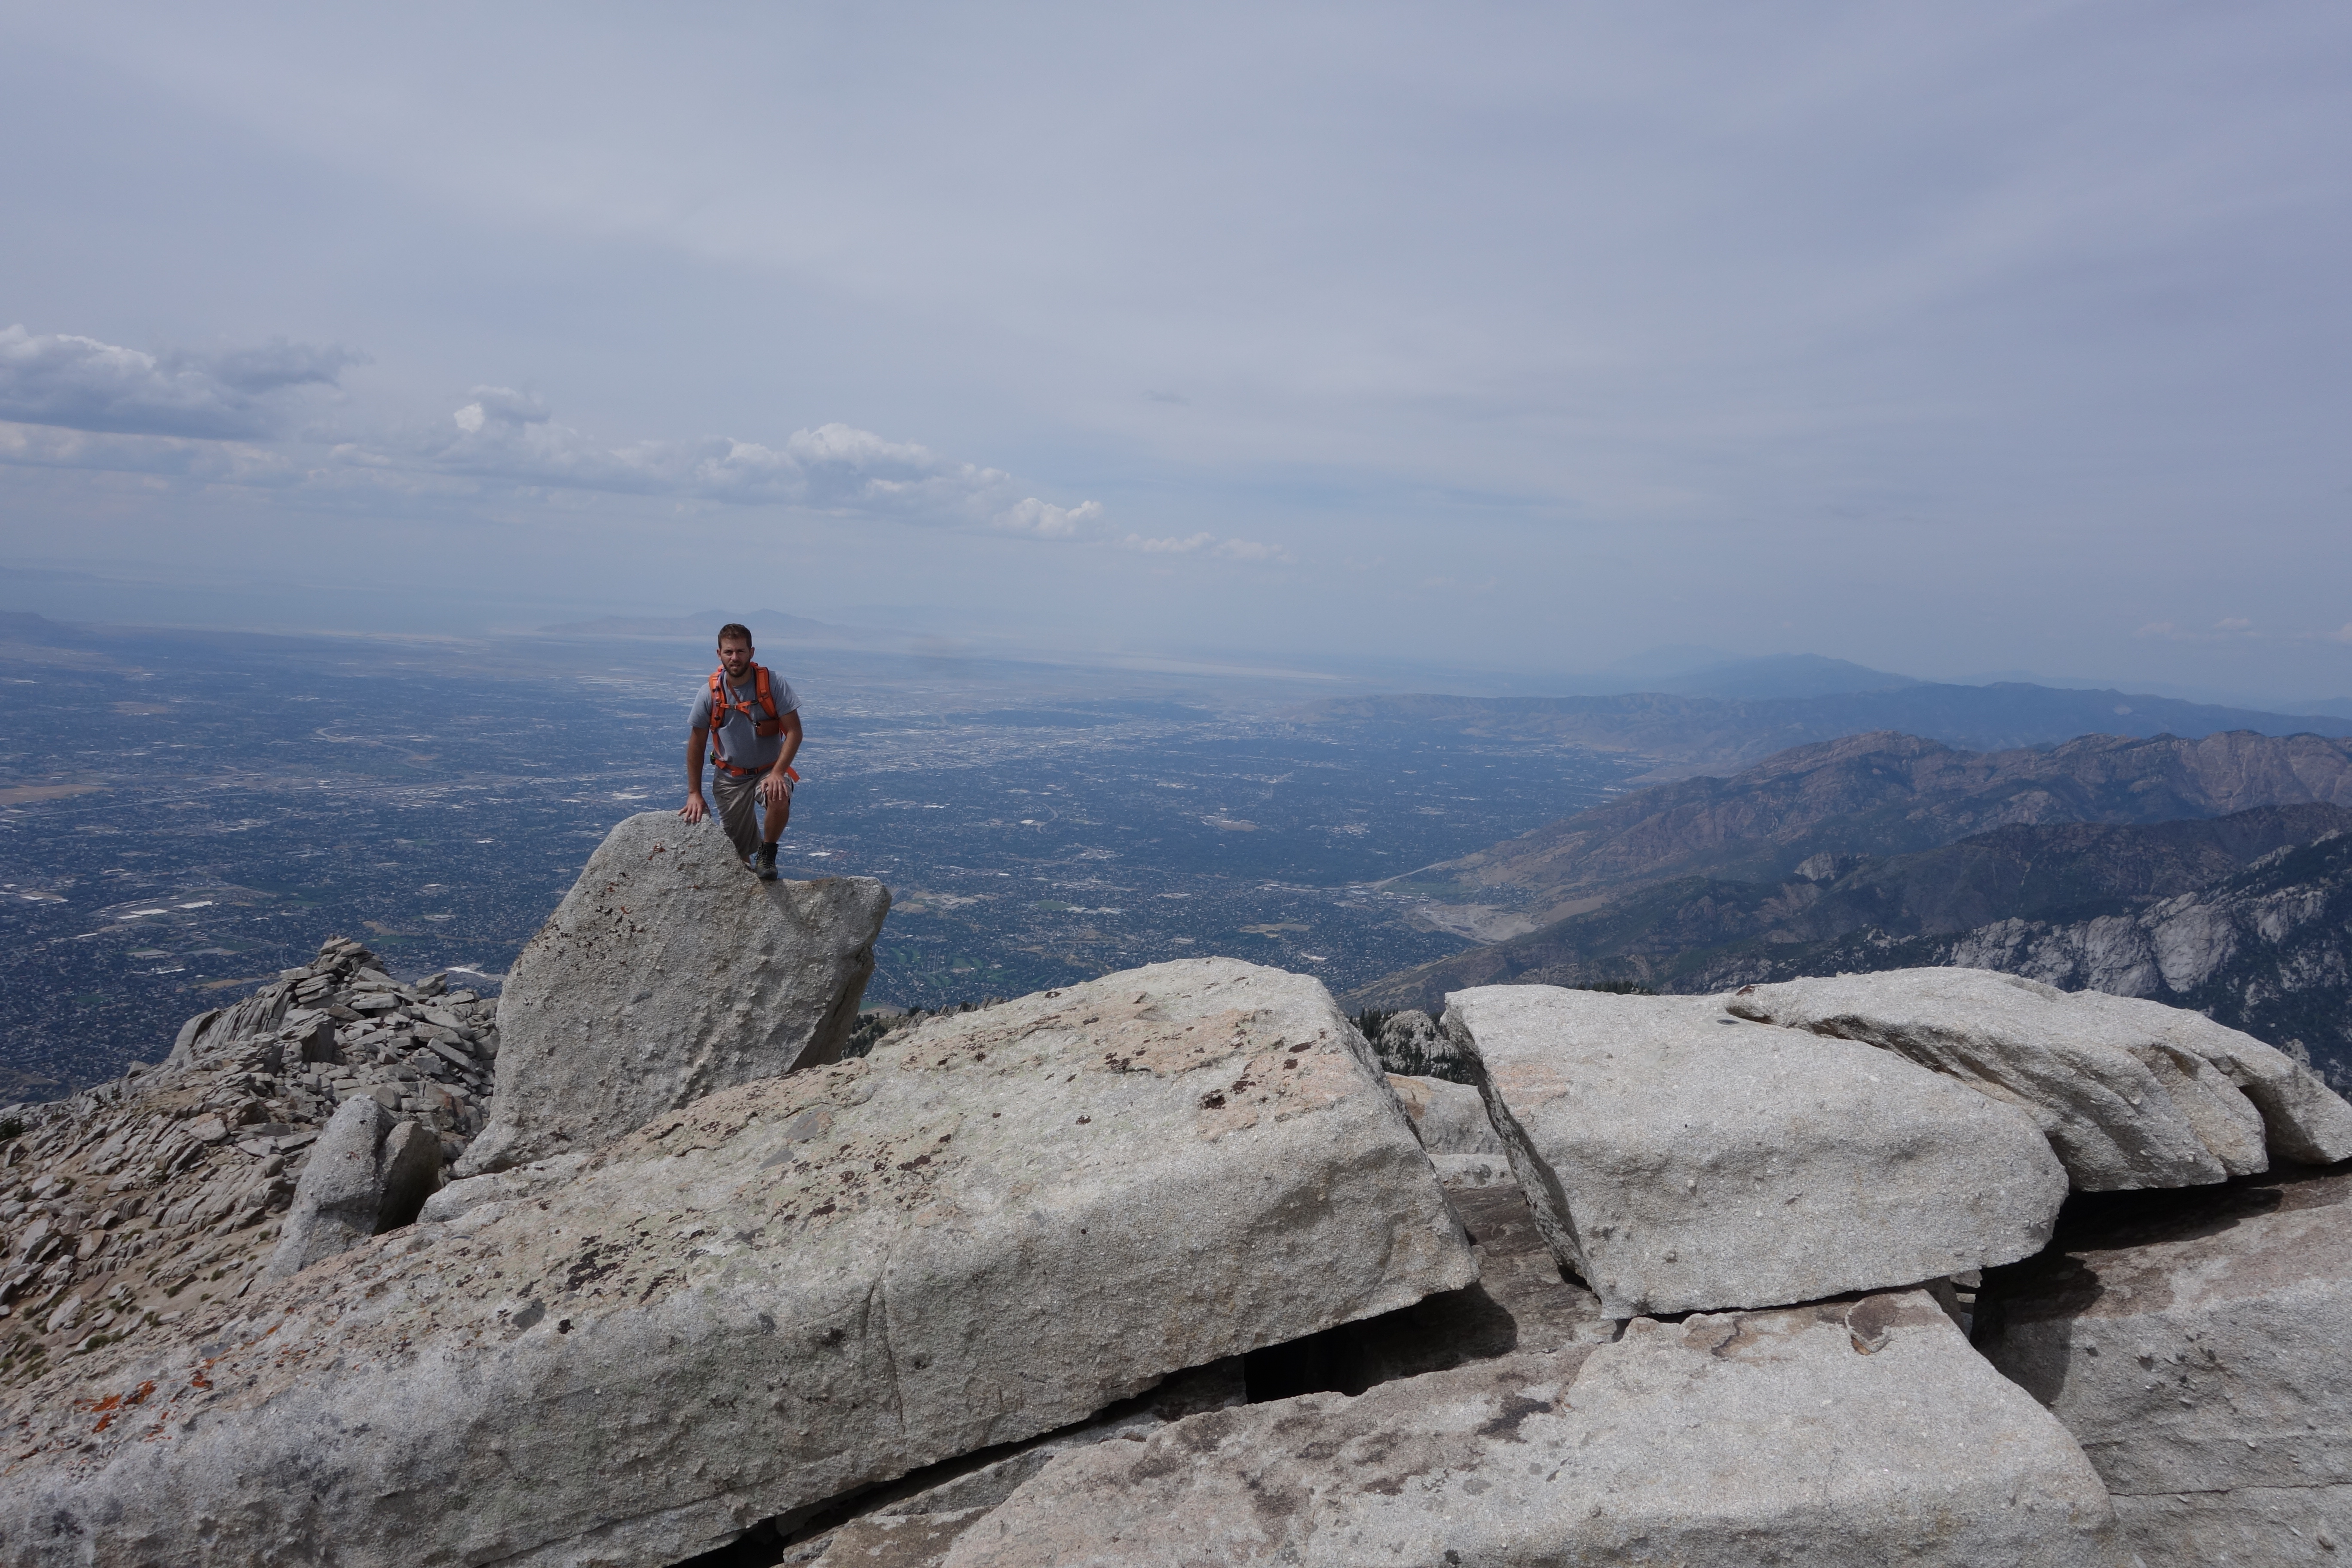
<point>1679,1158</point>
<point>669,971</point>
<point>1158,1268</point>
<point>160,1195</point>
<point>993,1226</point>
<point>1845,1434</point>
<point>2131,1093</point>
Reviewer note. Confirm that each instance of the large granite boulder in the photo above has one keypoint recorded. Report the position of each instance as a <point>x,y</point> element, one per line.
<point>1841,1433</point>
<point>668,972</point>
<point>1681,1159</point>
<point>368,1173</point>
<point>994,1226</point>
<point>1520,1303</point>
<point>2200,1351</point>
<point>2131,1093</point>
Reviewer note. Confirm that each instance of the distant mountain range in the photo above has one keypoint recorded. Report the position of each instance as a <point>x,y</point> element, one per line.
<point>2247,918</point>
<point>1701,672</point>
<point>1683,734</point>
<point>1882,794</point>
<point>2214,873</point>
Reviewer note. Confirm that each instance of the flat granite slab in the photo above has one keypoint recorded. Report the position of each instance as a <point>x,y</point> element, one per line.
<point>2131,1093</point>
<point>1681,1159</point>
<point>1856,1434</point>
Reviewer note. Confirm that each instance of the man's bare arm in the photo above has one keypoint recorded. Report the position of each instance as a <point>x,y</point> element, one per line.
<point>773,788</point>
<point>694,810</point>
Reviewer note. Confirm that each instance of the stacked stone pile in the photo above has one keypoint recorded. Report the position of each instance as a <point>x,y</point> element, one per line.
<point>133,1203</point>
<point>341,1026</point>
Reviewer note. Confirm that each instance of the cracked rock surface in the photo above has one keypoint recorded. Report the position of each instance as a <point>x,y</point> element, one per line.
<point>139,1203</point>
<point>995,1224</point>
<point>670,972</point>
<point>2200,1351</point>
<point>1845,1432</point>
<point>1681,1159</point>
<point>2131,1093</point>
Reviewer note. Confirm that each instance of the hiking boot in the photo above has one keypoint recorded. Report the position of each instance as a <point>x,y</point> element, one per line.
<point>765,862</point>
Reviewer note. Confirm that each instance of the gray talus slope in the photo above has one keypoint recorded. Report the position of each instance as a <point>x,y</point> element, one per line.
<point>1680,1159</point>
<point>994,1226</point>
<point>141,1200</point>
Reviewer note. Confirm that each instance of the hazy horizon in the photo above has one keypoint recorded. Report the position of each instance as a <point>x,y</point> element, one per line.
<point>1370,340</point>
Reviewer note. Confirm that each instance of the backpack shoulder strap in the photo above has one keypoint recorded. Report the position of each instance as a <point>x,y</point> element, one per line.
<point>773,725</point>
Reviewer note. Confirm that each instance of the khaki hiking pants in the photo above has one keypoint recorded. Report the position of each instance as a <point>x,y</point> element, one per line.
<point>738,807</point>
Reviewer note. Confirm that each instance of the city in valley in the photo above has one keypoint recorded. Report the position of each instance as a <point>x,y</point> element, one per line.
<point>186,813</point>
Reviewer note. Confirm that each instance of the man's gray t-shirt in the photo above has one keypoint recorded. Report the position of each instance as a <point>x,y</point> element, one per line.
<point>737,743</point>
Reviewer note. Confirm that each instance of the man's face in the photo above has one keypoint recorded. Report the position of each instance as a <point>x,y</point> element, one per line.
<point>736,656</point>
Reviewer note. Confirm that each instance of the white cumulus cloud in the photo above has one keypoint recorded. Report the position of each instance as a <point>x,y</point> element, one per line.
<point>1044,521</point>
<point>82,383</point>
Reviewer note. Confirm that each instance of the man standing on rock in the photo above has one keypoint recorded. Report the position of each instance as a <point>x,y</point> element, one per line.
<point>752,744</point>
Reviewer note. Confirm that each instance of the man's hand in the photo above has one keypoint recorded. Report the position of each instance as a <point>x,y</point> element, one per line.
<point>775,791</point>
<point>693,810</point>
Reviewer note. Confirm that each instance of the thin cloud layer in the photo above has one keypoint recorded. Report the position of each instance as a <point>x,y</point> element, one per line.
<point>72,402</point>
<point>509,436</point>
<point>1207,544</point>
<point>81,384</point>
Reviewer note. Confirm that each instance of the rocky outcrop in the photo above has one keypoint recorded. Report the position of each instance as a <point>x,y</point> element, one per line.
<point>993,1226</point>
<point>1681,1159</point>
<point>1410,1045</point>
<point>1160,1269</point>
<point>2131,1094</point>
<point>669,971</point>
<point>913,1520</point>
<point>140,1202</point>
<point>1847,1433</point>
<point>368,1173</point>
<point>1520,1305</point>
<point>2198,1350</point>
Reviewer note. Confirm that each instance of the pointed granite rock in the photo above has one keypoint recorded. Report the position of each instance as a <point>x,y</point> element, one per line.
<point>668,972</point>
<point>369,1173</point>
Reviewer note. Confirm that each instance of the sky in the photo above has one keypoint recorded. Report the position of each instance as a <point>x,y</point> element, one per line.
<point>1950,339</point>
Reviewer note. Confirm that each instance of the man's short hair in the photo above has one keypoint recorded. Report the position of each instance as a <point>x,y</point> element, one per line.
<point>737,630</point>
